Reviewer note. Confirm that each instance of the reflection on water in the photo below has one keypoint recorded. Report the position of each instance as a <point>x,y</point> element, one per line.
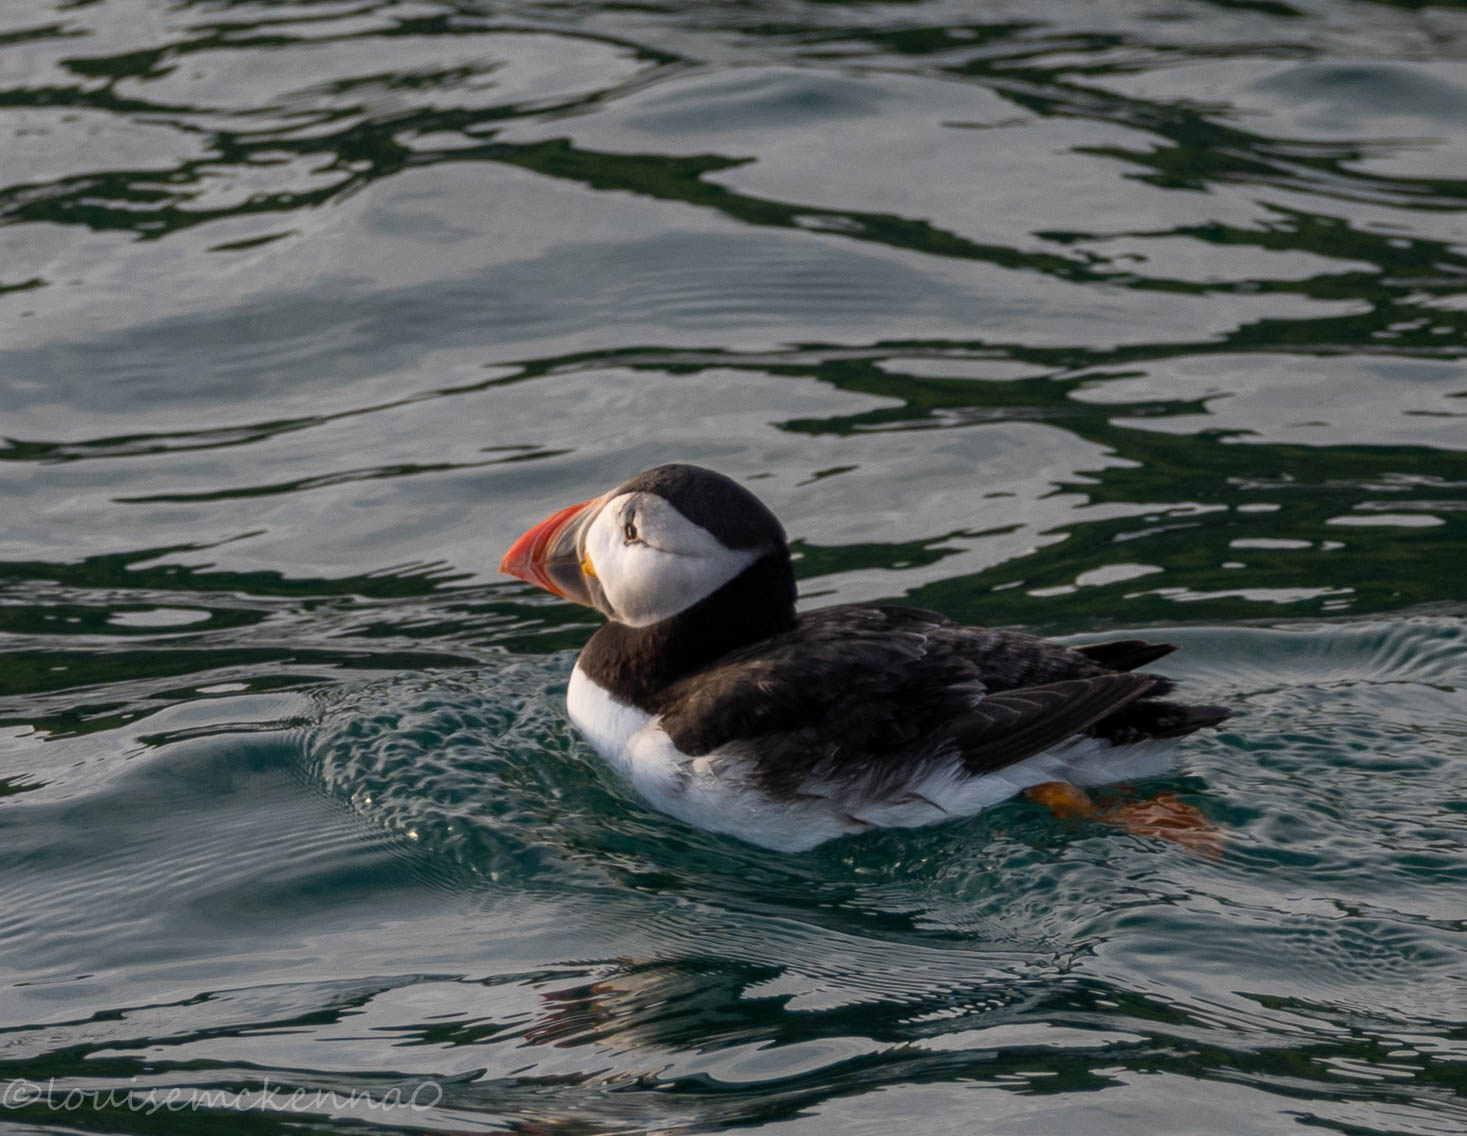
<point>1076,318</point>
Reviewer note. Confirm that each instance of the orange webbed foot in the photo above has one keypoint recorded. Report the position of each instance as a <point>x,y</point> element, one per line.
<point>1064,800</point>
<point>1166,817</point>
<point>1162,816</point>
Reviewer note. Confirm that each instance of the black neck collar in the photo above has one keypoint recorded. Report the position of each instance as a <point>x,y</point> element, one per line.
<point>634,664</point>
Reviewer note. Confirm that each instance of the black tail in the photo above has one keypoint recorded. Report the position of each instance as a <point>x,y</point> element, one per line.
<point>1125,654</point>
<point>1146,720</point>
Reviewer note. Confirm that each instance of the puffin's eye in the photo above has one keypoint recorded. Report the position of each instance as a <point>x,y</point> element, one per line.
<point>629,530</point>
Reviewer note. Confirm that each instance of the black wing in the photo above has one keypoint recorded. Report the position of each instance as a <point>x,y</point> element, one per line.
<point>864,691</point>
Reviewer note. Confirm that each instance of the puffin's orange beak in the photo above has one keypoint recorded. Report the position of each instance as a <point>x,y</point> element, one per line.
<point>548,557</point>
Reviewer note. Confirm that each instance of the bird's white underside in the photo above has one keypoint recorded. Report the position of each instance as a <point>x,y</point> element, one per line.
<point>712,791</point>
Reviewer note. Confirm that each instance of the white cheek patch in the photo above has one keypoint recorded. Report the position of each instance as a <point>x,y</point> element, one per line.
<point>670,584</point>
<point>673,565</point>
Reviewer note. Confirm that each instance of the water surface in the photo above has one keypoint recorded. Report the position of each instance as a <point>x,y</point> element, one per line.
<point>1095,320</point>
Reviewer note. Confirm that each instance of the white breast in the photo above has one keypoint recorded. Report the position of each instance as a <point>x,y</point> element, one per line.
<point>633,742</point>
<point>707,792</point>
<point>607,724</point>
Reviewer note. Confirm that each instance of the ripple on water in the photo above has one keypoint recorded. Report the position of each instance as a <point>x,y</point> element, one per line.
<point>1334,784</point>
<point>477,767</point>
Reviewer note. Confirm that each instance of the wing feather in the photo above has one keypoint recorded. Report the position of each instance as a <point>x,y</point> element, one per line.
<point>1014,724</point>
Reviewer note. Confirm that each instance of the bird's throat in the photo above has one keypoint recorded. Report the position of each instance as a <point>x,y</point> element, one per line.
<point>634,664</point>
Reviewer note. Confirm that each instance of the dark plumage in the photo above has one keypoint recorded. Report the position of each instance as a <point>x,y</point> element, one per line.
<point>864,688</point>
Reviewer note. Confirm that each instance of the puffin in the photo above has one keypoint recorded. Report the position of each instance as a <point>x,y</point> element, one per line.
<point>727,708</point>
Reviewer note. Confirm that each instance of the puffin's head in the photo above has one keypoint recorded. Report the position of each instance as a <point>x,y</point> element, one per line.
<point>652,547</point>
